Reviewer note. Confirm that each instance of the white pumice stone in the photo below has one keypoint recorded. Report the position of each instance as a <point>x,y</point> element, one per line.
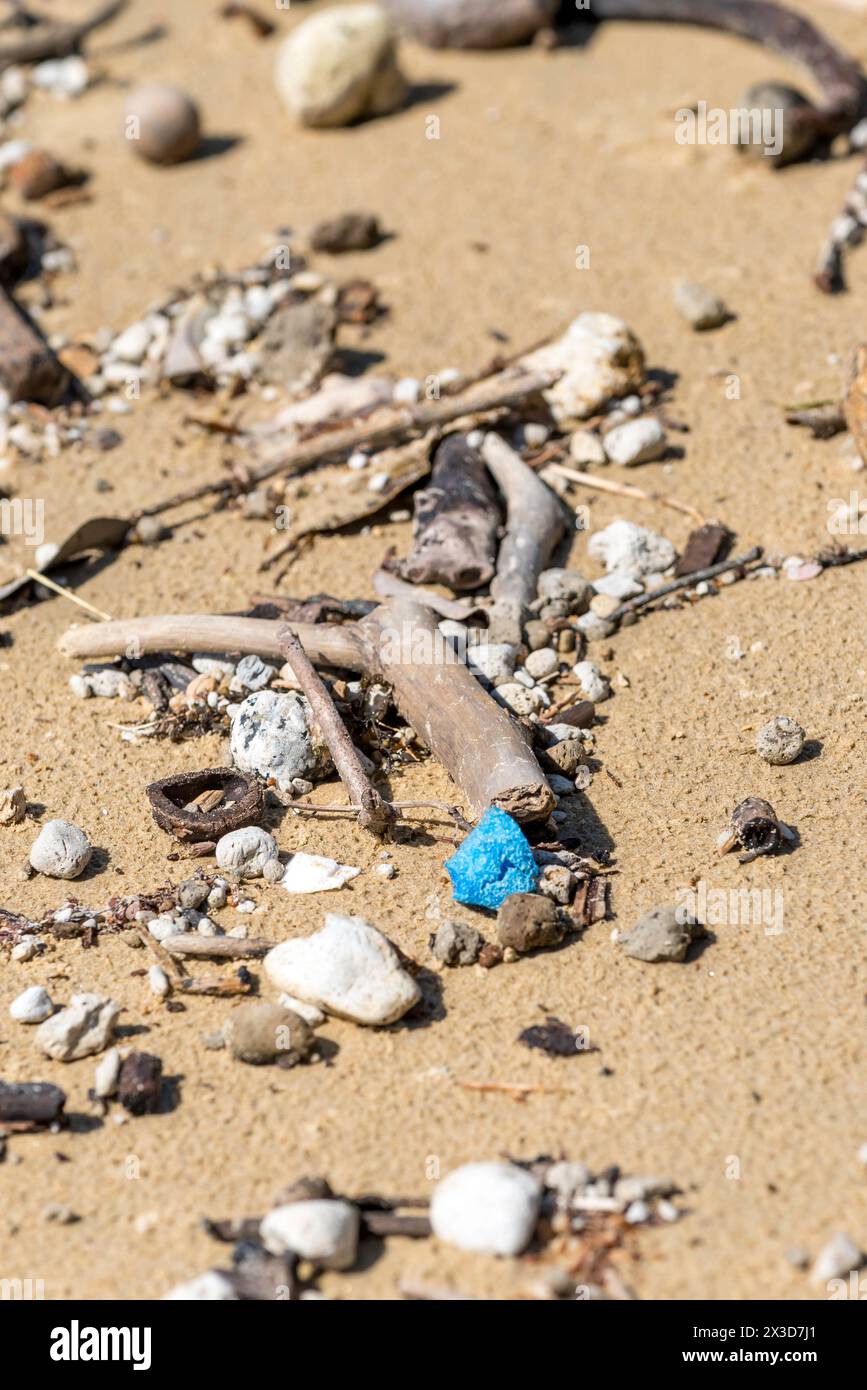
<point>623,546</point>
<point>340,65</point>
<point>85,1026</point>
<point>60,850</point>
<point>491,1208</point>
<point>594,685</point>
<point>32,1006</point>
<point>245,852</point>
<point>348,968</point>
<point>637,441</point>
<point>322,1230</point>
<point>275,735</point>
<point>106,1074</point>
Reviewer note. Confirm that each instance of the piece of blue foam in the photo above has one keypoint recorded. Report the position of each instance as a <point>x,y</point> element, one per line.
<point>494,861</point>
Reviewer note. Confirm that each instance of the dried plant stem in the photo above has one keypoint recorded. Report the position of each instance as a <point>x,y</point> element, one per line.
<point>374,814</point>
<point>65,593</point>
<point>451,811</point>
<point>638,494</point>
<point>506,389</point>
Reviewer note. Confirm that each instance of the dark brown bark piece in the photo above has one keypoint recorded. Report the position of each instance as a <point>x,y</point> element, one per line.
<point>30,1102</point>
<point>704,547</point>
<point>29,370</point>
<point>457,521</point>
<point>140,1083</point>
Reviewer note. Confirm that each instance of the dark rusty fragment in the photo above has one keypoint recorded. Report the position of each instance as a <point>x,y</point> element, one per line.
<point>704,547</point>
<point>140,1083</point>
<point>243,803</point>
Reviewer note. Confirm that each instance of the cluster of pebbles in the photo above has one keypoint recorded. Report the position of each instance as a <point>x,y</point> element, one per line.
<point>558,1212</point>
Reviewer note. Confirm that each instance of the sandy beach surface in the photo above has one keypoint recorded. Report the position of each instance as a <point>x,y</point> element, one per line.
<point>737,1075</point>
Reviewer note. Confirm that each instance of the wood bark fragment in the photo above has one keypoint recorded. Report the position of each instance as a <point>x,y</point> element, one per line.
<point>190,944</point>
<point>457,521</point>
<point>703,548</point>
<point>29,370</point>
<point>535,524</point>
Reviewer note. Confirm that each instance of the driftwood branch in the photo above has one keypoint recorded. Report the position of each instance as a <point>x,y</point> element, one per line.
<point>494,393</point>
<point>776,27</point>
<point>57,40</point>
<point>535,523</point>
<point>375,814</point>
<point>457,521</point>
<point>477,742</point>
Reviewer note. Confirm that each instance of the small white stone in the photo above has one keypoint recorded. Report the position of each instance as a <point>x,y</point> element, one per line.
<point>594,685</point>
<point>491,1208</point>
<point>84,1027</point>
<point>836,1259</point>
<point>699,306</point>
<point>106,1074</point>
<point>542,662</point>
<point>324,1231</point>
<point>586,447</point>
<point>245,852</point>
<point>275,735</point>
<point>407,391</point>
<point>26,949</point>
<point>349,969</point>
<point>162,926</point>
<point>519,699</point>
<point>80,687</point>
<point>638,441</point>
<point>598,358</point>
<point>60,850</point>
<point>132,344</point>
<point>309,1012</point>
<point>316,873</point>
<point>210,1287</point>
<point>494,661</point>
<point>340,65</point>
<point>385,870</point>
<point>159,982</point>
<point>32,1006</point>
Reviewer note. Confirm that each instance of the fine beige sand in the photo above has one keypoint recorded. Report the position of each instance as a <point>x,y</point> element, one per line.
<point>747,1061</point>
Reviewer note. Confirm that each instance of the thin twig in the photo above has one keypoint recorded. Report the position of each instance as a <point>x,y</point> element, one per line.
<point>352,809</point>
<point>495,393</point>
<point>375,814</point>
<point>638,494</point>
<point>686,582</point>
<point>517,1090</point>
<point>65,593</point>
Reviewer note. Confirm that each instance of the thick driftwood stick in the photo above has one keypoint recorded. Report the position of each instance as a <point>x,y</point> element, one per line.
<point>535,523</point>
<point>57,40</point>
<point>328,644</point>
<point>215,947</point>
<point>457,521</point>
<point>29,370</point>
<point>776,27</point>
<point>493,393</point>
<point>375,814</point>
<point>477,742</point>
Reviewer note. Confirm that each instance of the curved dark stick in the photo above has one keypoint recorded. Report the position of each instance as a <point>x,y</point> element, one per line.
<point>840,78</point>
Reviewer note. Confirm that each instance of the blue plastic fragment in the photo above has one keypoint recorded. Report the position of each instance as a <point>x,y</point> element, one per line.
<point>494,861</point>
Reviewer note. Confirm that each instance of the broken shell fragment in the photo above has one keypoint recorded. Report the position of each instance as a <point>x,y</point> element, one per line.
<point>755,828</point>
<point>242,803</point>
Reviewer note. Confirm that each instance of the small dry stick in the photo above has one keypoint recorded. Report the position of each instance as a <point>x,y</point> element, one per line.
<point>517,1090</point>
<point>451,811</point>
<point>65,593</point>
<point>575,475</point>
<point>57,40</point>
<point>686,582</point>
<point>507,389</point>
<point>375,814</point>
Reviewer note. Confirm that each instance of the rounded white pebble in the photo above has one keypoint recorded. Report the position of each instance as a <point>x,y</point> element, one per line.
<point>321,1230</point>
<point>60,850</point>
<point>488,1207</point>
<point>159,981</point>
<point>32,1006</point>
<point>246,851</point>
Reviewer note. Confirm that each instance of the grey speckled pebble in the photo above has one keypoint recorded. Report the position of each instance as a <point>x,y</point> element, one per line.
<point>660,935</point>
<point>780,741</point>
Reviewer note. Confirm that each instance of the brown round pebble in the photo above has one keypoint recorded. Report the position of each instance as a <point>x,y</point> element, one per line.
<point>527,921</point>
